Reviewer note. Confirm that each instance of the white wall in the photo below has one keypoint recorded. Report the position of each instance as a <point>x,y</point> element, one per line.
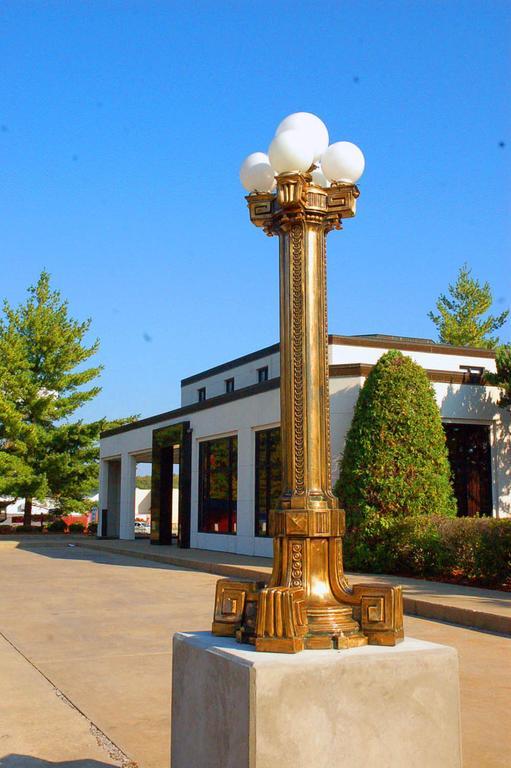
<point>343,397</point>
<point>244,376</point>
<point>469,403</point>
<point>242,417</point>
<point>460,403</point>
<point>142,502</point>
<point>340,353</point>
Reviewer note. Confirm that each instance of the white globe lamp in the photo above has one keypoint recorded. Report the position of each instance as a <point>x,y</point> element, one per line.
<point>344,162</point>
<point>311,126</point>
<point>291,151</point>
<point>256,173</point>
<point>319,178</point>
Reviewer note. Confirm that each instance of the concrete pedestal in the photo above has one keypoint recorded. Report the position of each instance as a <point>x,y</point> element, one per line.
<point>368,707</point>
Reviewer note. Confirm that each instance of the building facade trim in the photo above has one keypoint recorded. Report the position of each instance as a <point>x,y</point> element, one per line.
<point>445,377</point>
<point>273,349</point>
<point>378,342</point>
<point>410,346</point>
<point>335,371</point>
<point>213,402</point>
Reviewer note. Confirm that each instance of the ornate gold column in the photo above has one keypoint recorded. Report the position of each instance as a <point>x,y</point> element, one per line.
<point>308,602</point>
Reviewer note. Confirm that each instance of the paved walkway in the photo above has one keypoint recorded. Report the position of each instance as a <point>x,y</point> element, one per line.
<point>37,721</point>
<point>86,657</point>
<point>468,606</point>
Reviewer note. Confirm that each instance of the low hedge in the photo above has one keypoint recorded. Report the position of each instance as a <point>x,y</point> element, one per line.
<point>76,528</point>
<point>57,526</point>
<point>466,550</point>
<point>6,530</point>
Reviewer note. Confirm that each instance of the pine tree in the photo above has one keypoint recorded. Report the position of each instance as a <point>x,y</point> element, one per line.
<point>503,376</point>
<point>461,320</point>
<point>43,452</point>
<point>395,459</point>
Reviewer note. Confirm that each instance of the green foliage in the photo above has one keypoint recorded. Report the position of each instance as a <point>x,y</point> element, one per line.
<point>92,529</point>
<point>144,482</point>
<point>476,550</point>
<point>503,376</point>
<point>460,320</point>
<point>76,528</point>
<point>43,381</point>
<point>395,460</point>
<point>57,526</point>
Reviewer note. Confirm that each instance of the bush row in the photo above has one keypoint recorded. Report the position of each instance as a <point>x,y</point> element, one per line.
<point>469,550</point>
<point>57,526</point>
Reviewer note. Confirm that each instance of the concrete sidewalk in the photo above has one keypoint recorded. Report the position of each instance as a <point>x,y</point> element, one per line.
<point>485,609</point>
<point>88,634</point>
<point>39,724</point>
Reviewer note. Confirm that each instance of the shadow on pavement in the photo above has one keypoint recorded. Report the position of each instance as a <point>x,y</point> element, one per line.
<point>24,761</point>
<point>73,552</point>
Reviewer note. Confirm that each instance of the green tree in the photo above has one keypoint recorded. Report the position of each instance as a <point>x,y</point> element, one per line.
<point>144,482</point>
<point>462,318</point>
<point>43,381</point>
<point>503,376</point>
<point>395,460</point>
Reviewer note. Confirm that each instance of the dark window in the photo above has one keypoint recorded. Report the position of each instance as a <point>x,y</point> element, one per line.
<point>201,394</point>
<point>474,373</point>
<point>229,385</point>
<point>268,477</point>
<point>218,485</point>
<point>262,374</point>
<point>470,459</point>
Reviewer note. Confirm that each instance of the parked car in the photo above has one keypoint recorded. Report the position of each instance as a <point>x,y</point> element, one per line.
<point>142,527</point>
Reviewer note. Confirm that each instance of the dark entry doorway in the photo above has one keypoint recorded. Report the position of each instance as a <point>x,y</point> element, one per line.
<point>470,458</point>
<point>172,468</point>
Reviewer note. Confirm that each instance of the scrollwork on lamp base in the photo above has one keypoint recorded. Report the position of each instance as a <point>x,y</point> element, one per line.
<point>274,619</point>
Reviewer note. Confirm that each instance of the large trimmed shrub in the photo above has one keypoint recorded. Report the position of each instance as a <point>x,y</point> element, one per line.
<point>395,461</point>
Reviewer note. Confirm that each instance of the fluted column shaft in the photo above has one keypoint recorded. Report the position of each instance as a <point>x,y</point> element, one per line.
<point>304,392</point>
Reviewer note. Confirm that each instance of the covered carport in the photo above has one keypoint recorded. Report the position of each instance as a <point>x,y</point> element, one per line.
<point>167,447</point>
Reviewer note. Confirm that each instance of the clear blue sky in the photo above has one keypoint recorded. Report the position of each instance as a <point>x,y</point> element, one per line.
<point>123,126</point>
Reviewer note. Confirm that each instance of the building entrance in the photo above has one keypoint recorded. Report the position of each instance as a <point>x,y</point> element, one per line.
<point>171,485</point>
<point>470,459</point>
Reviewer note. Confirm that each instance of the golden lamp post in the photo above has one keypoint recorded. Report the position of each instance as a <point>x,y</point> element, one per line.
<point>308,603</point>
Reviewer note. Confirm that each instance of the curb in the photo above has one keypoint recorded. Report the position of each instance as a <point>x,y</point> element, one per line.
<point>220,569</point>
<point>413,606</point>
<point>465,617</point>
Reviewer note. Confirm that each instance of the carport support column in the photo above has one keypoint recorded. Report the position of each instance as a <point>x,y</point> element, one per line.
<point>127,506</point>
<point>103,492</point>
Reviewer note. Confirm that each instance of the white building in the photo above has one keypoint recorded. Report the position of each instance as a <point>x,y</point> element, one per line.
<point>11,512</point>
<point>224,442</point>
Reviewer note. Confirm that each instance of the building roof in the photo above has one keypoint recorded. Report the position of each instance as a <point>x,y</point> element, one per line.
<point>264,352</point>
<point>409,343</point>
<point>390,338</point>
<point>377,340</point>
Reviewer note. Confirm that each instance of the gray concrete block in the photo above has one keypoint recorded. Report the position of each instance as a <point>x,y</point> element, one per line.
<point>369,707</point>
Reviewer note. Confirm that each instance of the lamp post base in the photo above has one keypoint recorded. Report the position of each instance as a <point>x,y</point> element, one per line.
<point>280,620</point>
<point>235,708</point>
